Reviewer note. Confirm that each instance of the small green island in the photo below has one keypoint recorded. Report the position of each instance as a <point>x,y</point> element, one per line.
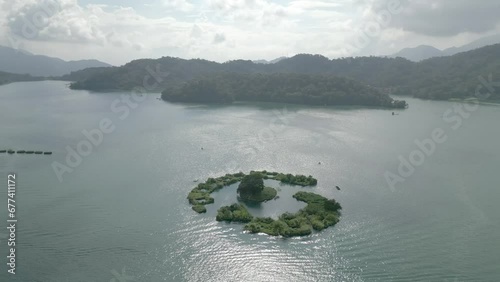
<point>252,189</point>
<point>320,212</point>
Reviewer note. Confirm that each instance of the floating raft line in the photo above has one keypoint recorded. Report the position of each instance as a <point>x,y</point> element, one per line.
<point>10,151</point>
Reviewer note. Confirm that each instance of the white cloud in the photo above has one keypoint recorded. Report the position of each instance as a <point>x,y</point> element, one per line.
<point>443,18</point>
<point>181,5</point>
<point>248,29</point>
<point>116,29</point>
<point>310,5</point>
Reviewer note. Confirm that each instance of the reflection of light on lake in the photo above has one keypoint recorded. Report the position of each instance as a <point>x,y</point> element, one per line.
<point>273,208</point>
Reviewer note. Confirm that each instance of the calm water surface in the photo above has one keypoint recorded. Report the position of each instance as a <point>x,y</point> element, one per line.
<point>122,213</point>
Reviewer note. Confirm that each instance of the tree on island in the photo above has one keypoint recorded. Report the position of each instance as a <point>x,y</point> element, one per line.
<point>251,184</point>
<point>332,205</point>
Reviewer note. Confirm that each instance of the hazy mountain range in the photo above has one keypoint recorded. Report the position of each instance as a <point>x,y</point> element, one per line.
<point>271,61</point>
<point>22,62</point>
<point>424,52</point>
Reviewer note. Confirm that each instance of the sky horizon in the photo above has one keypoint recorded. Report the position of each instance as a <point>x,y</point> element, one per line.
<point>117,32</point>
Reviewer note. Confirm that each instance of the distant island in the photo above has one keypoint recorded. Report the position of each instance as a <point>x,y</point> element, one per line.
<point>279,87</point>
<point>252,189</point>
<point>320,212</point>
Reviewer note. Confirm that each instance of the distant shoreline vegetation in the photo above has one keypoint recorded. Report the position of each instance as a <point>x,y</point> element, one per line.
<point>281,88</point>
<point>6,78</point>
<point>320,212</point>
<point>439,78</point>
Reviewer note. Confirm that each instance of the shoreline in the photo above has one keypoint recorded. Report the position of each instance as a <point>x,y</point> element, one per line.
<point>475,101</point>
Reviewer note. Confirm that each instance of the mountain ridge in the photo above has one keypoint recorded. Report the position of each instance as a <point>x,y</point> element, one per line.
<point>423,52</point>
<point>23,62</point>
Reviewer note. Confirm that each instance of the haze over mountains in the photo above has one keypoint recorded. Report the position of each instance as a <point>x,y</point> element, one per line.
<point>22,62</point>
<point>269,62</point>
<point>423,52</point>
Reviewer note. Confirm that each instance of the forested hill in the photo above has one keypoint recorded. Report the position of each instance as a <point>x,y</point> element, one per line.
<point>374,71</point>
<point>456,76</point>
<point>279,87</point>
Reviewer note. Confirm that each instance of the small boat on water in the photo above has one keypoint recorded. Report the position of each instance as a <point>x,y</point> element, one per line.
<point>11,151</point>
<point>30,152</point>
<point>21,151</point>
<point>38,152</point>
<point>338,188</point>
<point>3,151</point>
<point>47,153</point>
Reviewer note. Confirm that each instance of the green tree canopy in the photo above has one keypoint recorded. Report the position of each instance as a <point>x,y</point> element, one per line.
<point>251,184</point>
<point>332,205</point>
<point>278,87</point>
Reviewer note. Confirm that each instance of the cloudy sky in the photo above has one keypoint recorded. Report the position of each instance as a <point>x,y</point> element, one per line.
<point>117,31</point>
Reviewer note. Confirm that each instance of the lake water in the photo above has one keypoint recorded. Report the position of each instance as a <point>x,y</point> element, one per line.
<point>121,214</point>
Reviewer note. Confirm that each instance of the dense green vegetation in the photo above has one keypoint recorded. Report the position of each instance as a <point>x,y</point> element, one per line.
<point>199,208</point>
<point>278,87</point>
<point>320,213</point>
<point>200,195</point>
<point>458,76</point>
<point>436,78</point>
<point>251,184</point>
<point>268,193</point>
<point>252,189</point>
<point>301,180</point>
<point>81,76</point>
<point>234,213</point>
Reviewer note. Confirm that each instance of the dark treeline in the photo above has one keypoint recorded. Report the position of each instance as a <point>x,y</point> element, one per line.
<point>455,76</point>
<point>279,87</point>
<point>6,77</point>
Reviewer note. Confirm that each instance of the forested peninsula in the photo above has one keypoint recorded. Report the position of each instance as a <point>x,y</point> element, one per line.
<point>279,87</point>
